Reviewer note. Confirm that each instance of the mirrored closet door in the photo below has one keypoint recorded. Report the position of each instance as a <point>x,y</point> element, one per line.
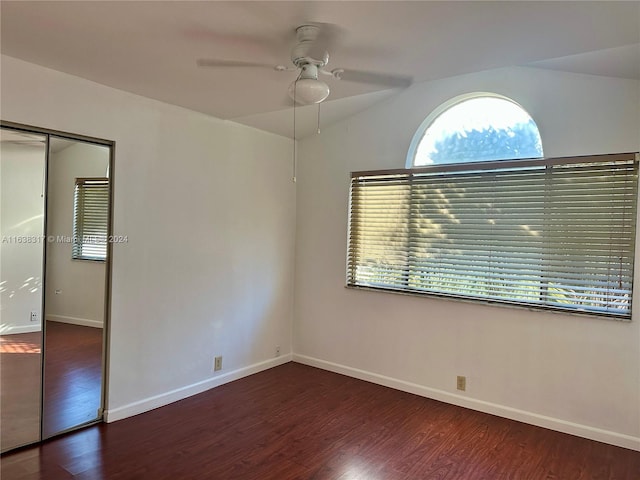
<point>61,267</point>
<point>75,283</point>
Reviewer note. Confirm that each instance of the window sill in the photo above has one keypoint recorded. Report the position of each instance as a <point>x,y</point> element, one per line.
<point>93,260</point>
<point>496,303</point>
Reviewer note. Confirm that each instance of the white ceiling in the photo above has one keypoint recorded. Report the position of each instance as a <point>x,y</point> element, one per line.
<point>150,48</point>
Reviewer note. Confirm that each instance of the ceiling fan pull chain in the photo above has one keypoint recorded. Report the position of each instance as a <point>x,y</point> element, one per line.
<point>294,132</point>
<point>318,119</point>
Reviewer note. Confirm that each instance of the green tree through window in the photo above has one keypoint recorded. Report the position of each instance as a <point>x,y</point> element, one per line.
<point>481,128</point>
<point>519,141</point>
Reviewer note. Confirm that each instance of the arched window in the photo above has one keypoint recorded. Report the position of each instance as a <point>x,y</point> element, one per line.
<point>475,128</point>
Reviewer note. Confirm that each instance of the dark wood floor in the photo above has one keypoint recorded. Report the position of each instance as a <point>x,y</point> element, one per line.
<point>297,422</point>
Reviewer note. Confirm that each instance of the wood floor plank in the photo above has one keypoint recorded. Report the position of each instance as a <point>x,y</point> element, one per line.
<point>297,422</point>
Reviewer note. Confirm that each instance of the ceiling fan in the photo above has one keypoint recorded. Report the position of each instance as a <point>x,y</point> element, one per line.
<point>310,56</point>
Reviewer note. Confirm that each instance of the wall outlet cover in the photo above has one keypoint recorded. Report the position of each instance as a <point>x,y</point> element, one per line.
<point>217,364</point>
<point>461,383</point>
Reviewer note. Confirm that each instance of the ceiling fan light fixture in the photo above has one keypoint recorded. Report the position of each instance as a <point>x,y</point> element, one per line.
<point>306,91</point>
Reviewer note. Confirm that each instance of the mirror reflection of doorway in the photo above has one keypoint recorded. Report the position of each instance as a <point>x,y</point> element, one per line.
<point>59,284</point>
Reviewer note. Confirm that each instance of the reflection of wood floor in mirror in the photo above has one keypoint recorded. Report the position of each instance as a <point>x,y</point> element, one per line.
<point>72,376</point>
<point>19,389</point>
<point>72,385</point>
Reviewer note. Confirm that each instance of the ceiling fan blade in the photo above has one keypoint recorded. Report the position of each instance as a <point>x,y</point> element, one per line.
<point>212,62</point>
<point>329,35</point>
<point>362,76</point>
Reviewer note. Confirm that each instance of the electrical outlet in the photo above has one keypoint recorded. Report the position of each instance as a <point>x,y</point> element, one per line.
<point>34,316</point>
<point>461,383</point>
<point>277,350</point>
<point>217,364</point>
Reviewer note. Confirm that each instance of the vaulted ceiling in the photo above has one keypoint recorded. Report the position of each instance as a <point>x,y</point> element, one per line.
<point>150,48</point>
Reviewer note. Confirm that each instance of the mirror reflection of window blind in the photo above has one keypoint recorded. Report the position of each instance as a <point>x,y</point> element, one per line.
<point>90,219</point>
<point>553,233</point>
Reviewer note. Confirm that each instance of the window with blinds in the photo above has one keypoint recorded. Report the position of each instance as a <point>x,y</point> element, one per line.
<point>549,233</point>
<point>90,219</point>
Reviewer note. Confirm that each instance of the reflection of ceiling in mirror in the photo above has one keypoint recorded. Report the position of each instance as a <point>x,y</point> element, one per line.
<point>59,144</point>
<point>13,137</point>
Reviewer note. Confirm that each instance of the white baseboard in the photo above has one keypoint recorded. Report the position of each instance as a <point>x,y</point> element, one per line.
<point>135,408</point>
<point>592,433</point>
<point>12,330</point>
<point>85,322</point>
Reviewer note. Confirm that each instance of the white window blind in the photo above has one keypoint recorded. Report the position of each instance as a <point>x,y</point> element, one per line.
<point>90,219</point>
<point>552,233</point>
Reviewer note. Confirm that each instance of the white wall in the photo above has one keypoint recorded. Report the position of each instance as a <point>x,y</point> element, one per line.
<point>576,374</point>
<point>21,218</point>
<point>209,210</point>
<point>75,288</point>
